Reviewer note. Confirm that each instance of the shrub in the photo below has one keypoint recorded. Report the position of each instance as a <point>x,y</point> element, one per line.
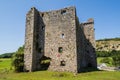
<point>103,54</point>
<point>18,60</point>
<point>116,59</point>
<point>105,60</point>
<point>107,53</point>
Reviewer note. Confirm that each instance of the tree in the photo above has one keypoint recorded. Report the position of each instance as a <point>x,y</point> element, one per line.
<point>116,59</point>
<point>18,60</point>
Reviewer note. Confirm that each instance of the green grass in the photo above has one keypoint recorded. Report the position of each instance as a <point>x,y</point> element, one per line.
<point>5,63</point>
<point>50,75</point>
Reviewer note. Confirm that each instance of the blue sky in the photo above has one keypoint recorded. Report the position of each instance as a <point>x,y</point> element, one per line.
<point>106,14</point>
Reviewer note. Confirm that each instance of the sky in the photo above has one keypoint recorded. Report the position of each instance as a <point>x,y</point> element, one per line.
<point>106,14</point>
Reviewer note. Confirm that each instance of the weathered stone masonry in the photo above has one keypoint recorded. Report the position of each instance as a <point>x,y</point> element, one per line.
<point>58,35</point>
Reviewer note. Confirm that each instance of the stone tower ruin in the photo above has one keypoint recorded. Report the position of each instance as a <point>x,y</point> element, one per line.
<point>57,37</point>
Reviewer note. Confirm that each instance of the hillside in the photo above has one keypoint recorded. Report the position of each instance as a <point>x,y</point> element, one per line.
<point>108,44</point>
<point>6,55</point>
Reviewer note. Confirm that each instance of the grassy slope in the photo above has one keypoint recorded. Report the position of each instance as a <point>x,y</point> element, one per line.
<point>49,75</point>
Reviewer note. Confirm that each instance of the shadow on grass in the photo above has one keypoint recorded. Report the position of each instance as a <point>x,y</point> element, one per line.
<point>89,69</point>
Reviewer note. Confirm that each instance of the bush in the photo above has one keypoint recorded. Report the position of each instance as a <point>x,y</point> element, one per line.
<point>18,60</point>
<point>107,53</point>
<point>116,59</point>
<point>105,60</point>
<point>103,54</point>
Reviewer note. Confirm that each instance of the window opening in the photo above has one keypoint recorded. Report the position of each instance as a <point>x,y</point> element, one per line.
<point>62,35</point>
<point>42,15</point>
<point>40,50</point>
<point>63,12</point>
<point>62,63</point>
<point>60,49</point>
<point>43,27</point>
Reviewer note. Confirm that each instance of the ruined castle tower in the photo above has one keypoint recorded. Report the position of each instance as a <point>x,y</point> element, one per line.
<point>58,35</point>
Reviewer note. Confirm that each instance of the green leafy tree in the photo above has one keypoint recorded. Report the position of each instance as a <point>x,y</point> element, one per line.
<point>116,59</point>
<point>103,54</point>
<point>18,60</point>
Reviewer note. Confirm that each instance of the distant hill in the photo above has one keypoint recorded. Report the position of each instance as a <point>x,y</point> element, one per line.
<point>6,55</point>
<point>108,44</point>
<point>109,39</point>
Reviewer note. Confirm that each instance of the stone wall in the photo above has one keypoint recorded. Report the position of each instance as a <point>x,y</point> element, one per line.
<point>89,43</point>
<point>29,37</point>
<point>60,32</point>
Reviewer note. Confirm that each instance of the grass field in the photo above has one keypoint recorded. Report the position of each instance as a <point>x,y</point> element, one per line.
<point>5,64</point>
<point>49,75</point>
